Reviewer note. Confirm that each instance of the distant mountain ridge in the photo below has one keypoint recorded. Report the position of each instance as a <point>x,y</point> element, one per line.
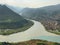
<point>48,11</point>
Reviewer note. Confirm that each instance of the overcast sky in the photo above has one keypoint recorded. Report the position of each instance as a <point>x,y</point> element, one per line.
<point>30,3</point>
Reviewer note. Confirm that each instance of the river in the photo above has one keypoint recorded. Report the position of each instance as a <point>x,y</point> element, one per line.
<point>37,31</point>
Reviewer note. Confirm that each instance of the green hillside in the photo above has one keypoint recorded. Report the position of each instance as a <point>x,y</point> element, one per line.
<point>11,22</point>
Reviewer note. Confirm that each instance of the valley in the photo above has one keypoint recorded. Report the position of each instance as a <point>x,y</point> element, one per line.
<point>33,26</point>
<point>49,16</point>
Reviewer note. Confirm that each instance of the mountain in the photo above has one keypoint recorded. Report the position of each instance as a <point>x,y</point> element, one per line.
<point>49,16</point>
<point>10,19</point>
<point>43,11</point>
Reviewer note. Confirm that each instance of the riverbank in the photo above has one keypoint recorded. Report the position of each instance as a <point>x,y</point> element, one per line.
<point>20,29</point>
<point>31,42</point>
<point>37,30</point>
<point>55,32</point>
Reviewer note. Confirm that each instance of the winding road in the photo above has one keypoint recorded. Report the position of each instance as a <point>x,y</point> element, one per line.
<point>37,31</point>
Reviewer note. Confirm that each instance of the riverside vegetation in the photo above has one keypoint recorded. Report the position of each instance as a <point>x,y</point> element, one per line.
<point>16,30</point>
<point>31,42</point>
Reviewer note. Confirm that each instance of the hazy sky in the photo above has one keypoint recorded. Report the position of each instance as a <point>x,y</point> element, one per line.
<point>30,3</point>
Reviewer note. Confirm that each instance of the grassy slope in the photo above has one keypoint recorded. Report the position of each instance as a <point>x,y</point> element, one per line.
<point>11,31</point>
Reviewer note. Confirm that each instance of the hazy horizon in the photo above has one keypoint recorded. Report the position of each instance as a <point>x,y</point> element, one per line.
<point>30,3</point>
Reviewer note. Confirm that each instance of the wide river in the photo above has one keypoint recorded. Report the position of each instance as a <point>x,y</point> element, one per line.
<point>37,31</point>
